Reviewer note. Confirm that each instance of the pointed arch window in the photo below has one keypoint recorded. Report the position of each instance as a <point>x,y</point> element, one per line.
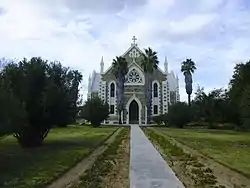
<point>155,89</point>
<point>112,90</point>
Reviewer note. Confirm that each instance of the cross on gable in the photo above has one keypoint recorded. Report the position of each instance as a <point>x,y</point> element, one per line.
<point>134,39</point>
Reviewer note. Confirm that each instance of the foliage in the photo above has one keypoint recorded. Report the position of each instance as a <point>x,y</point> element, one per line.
<point>149,63</point>
<point>160,119</point>
<point>237,86</point>
<point>178,114</point>
<point>245,108</point>
<point>104,163</point>
<point>44,94</point>
<point>95,111</point>
<point>212,107</point>
<point>11,111</point>
<point>187,68</point>
<point>120,69</point>
<point>62,150</point>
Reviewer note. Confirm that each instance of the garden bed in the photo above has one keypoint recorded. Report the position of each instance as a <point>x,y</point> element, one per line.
<point>111,169</point>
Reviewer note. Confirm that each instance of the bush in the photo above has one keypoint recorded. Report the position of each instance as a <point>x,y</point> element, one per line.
<point>160,119</point>
<point>95,111</point>
<point>179,114</point>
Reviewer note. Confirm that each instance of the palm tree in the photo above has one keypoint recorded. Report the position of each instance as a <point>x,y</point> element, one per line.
<point>120,69</point>
<point>149,63</point>
<point>187,68</point>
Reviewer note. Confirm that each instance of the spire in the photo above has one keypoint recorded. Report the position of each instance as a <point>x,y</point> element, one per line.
<point>102,65</point>
<point>166,65</point>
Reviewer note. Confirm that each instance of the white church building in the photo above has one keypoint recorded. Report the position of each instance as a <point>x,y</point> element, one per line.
<point>165,88</point>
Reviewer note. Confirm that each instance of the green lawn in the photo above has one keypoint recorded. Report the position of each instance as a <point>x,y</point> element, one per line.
<point>228,147</point>
<point>63,148</point>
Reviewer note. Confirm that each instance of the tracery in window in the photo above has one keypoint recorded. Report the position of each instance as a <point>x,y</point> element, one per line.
<point>134,77</point>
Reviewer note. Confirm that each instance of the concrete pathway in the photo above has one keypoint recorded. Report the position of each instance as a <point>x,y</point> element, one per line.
<point>147,167</point>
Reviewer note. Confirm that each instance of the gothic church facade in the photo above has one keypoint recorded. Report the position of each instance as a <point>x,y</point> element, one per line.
<point>164,83</point>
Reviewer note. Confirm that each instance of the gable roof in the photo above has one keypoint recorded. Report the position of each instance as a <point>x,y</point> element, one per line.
<point>124,54</point>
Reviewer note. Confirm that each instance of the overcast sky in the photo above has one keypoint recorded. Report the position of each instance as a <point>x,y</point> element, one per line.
<point>214,33</point>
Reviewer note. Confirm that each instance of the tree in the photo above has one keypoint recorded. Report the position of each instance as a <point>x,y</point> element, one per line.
<point>212,107</point>
<point>64,90</point>
<point>178,114</point>
<point>149,62</point>
<point>240,80</point>
<point>95,111</point>
<point>41,94</point>
<point>245,108</point>
<point>11,111</point>
<point>120,69</point>
<point>187,68</point>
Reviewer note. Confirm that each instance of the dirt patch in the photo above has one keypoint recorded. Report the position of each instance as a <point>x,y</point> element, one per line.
<point>72,176</point>
<point>119,176</point>
<point>225,177</point>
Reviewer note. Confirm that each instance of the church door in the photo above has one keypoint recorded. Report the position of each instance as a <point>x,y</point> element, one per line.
<point>133,112</point>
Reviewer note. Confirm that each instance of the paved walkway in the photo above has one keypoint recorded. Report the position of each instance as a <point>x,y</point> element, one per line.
<point>147,167</point>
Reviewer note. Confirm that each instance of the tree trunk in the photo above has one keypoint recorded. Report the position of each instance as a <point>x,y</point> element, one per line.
<point>189,100</point>
<point>120,118</point>
<point>148,98</point>
<point>120,96</point>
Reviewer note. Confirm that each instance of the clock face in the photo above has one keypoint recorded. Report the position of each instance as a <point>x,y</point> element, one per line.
<point>134,77</point>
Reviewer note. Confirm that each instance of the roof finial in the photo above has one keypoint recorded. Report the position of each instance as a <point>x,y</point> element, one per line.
<point>134,39</point>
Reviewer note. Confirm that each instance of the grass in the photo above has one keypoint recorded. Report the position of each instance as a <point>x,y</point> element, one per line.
<point>93,177</point>
<point>183,163</point>
<point>227,147</point>
<point>62,149</point>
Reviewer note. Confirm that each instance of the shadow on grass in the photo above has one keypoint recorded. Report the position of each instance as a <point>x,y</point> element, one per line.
<point>21,168</point>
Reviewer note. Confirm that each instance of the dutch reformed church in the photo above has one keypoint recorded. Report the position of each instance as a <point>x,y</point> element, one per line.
<point>165,89</point>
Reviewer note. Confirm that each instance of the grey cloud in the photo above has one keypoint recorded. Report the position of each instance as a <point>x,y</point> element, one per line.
<point>104,6</point>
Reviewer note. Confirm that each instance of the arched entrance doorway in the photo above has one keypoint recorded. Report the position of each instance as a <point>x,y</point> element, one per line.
<point>133,112</point>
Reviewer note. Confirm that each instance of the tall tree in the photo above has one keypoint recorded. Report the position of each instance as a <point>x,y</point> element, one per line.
<point>149,62</point>
<point>240,80</point>
<point>187,68</point>
<point>43,94</point>
<point>120,69</point>
<point>245,108</point>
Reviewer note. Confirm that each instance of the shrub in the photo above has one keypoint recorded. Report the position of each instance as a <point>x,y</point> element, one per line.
<point>95,111</point>
<point>179,114</point>
<point>160,119</point>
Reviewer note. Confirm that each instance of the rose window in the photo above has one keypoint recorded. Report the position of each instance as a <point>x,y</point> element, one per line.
<point>134,77</point>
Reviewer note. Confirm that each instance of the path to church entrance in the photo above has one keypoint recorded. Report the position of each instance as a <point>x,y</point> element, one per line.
<point>147,167</point>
